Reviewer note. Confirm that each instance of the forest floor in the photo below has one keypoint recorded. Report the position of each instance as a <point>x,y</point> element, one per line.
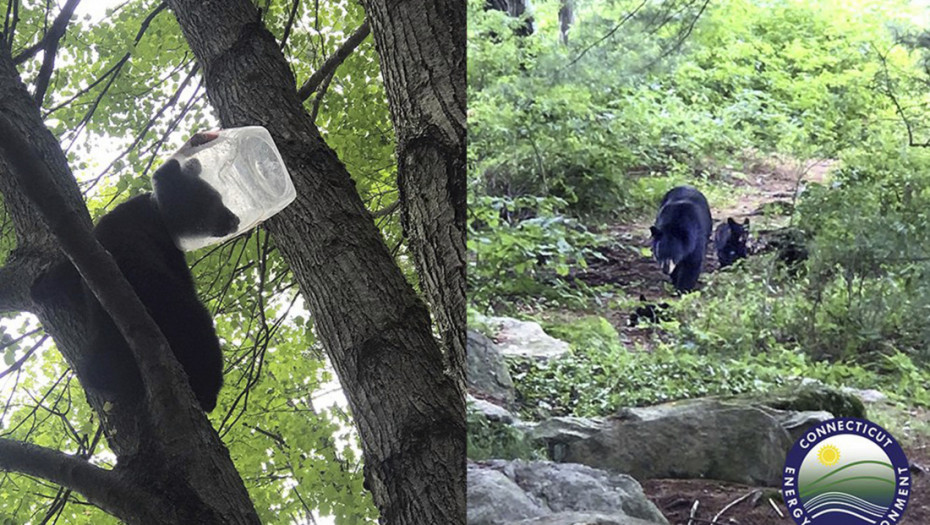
<point>627,262</point>
<point>764,189</point>
<point>763,192</point>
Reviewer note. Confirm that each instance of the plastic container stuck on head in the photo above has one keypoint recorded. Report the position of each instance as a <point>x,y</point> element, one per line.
<point>244,167</point>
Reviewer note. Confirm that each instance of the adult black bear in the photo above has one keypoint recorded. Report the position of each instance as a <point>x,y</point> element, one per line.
<point>140,234</point>
<point>680,235</point>
<point>731,241</point>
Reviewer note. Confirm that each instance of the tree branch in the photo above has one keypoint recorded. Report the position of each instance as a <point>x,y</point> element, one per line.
<point>387,210</point>
<point>52,39</point>
<point>102,487</point>
<point>331,63</point>
<point>15,277</point>
<point>145,129</point>
<point>12,13</point>
<point>889,90</point>
<point>290,23</point>
<point>318,100</point>
<point>19,362</point>
<point>115,69</point>
<point>683,35</point>
<point>607,35</point>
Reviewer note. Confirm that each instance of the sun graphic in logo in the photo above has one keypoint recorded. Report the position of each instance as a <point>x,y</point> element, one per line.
<point>828,455</point>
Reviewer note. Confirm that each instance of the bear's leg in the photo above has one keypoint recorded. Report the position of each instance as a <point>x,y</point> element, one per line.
<point>686,274</point>
<point>189,330</point>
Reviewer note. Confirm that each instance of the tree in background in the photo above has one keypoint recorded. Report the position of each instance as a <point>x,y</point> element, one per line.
<point>133,76</point>
<point>517,9</point>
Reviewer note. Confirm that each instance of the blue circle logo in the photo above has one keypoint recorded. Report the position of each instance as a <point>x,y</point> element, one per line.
<point>846,472</point>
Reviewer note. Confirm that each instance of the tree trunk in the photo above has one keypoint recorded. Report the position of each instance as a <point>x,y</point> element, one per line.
<point>376,331</point>
<point>515,8</point>
<point>422,49</point>
<point>566,19</point>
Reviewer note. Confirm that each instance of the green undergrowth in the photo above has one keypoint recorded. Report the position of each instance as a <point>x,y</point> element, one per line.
<point>494,440</point>
<point>600,374</point>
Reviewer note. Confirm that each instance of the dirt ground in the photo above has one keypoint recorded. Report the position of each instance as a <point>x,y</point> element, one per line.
<point>627,264</point>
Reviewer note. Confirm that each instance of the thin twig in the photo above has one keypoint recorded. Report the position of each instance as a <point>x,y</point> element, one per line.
<point>331,63</point>
<point>694,509</point>
<point>19,362</point>
<point>777,510</point>
<point>898,108</point>
<point>609,34</point>
<point>318,101</point>
<point>148,126</point>
<point>119,63</point>
<point>681,38</point>
<point>731,505</point>
<point>387,210</point>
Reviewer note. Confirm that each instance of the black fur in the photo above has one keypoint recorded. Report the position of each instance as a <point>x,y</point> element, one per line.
<point>648,312</point>
<point>680,235</point>
<point>188,205</point>
<point>731,241</point>
<point>140,235</point>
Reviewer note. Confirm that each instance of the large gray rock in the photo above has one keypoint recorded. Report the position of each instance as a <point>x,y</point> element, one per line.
<point>495,498</point>
<point>797,423</point>
<point>702,438</point>
<point>868,395</point>
<point>524,339</point>
<point>558,432</point>
<point>486,373</point>
<point>583,518</point>
<point>809,395</point>
<point>489,410</point>
<point>546,493</point>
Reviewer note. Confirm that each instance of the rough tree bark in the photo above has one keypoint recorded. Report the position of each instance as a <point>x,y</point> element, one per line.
<point>421,44</point>
<point>376,331</point>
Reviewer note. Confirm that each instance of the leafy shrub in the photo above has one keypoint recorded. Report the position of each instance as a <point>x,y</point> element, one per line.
<point>510,255</point>
<point>580,122</point>
<point>871,252</point>
<point>600,376</point>
<point>495,440</point>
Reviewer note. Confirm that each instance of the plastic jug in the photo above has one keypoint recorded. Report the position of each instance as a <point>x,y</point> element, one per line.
<point>244,166</point>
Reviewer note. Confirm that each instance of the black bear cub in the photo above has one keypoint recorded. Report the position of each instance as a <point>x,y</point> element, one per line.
<point>140,234</point>
<point>680,235</point>
<point>731,241</point>
<point>648,312</point>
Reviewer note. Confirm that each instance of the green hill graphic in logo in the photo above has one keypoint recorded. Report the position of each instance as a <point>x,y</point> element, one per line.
<point>847,476</point>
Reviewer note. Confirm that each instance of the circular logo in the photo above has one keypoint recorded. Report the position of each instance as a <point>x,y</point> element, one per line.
<point>846,472</point>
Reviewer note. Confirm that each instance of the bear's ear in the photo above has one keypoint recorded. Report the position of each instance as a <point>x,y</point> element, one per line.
<point>192,168</point>
<point>731,222</point>
<point>170,169</point>
<point>746,223</point>
<point>656,233</point>
<point>642,298</point>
